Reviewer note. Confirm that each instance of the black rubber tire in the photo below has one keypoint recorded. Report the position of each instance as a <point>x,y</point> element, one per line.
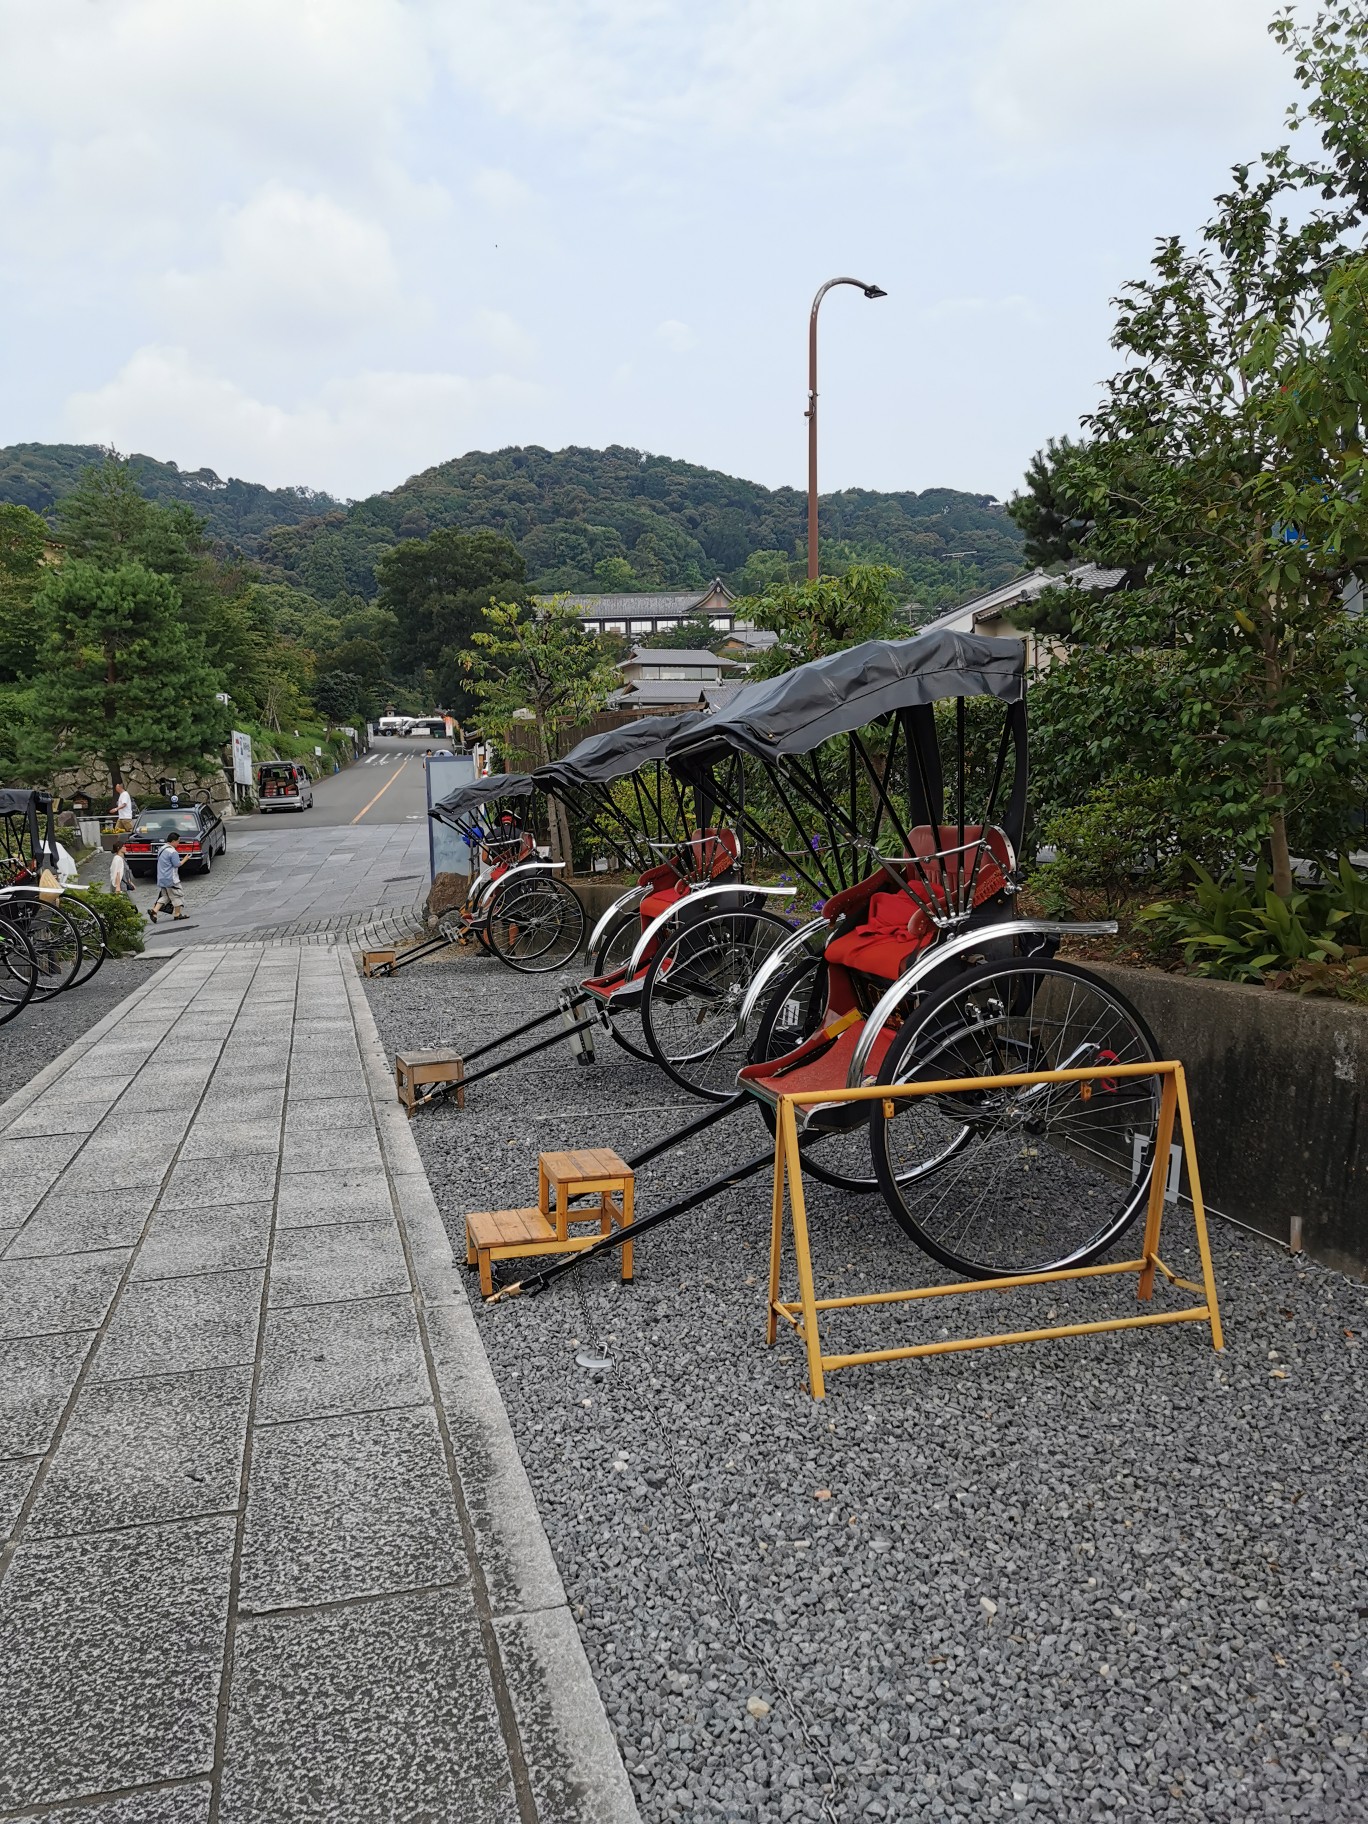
<point>207,860</point>
<point>94,936</point>
<point>531,891</point>
<point>613,949</point>
<point>655,985</point>
<point>18,971</point>
<point>54,939</point>
<point>929,1035</point>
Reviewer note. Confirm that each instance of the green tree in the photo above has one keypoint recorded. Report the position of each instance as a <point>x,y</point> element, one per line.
<point>1225,467</point>
<point>341,696</point>
<point>694,634</point>
<point>23,542</point>
<point>821,616</point>
<point>438,589</point>
<point>120,677</point>
<point>540,661</point>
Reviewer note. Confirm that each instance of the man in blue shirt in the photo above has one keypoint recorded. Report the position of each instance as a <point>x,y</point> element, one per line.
<point>169,895</point>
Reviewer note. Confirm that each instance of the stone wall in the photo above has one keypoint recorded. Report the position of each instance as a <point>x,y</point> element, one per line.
<point>1279,1087</point>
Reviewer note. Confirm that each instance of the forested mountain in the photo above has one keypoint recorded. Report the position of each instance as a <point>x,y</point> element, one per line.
<point>38,475</point>
<point>614,519</point>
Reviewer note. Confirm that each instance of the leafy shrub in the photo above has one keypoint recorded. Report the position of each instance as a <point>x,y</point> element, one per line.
<point>123,921</point>
<point>1241,931</point>
<point>1115,846</point>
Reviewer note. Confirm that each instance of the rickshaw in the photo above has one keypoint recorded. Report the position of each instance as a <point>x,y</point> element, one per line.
<point>66,937</point>
<point>892,779</point>
<point>627,805</point>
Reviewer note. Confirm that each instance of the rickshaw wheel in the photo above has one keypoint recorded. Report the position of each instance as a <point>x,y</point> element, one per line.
<point>53,938</point>
<point>535,924</point>
<point>691,998</point>
<point>94,935</point>
<point>1023,1180</point>
<point>18,971</point>
<point>614,952</point>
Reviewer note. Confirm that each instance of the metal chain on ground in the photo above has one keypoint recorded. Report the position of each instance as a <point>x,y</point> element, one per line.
<point>750,1643</point>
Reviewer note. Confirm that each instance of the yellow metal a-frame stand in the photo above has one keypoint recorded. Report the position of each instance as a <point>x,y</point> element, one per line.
<point>803,1312</point>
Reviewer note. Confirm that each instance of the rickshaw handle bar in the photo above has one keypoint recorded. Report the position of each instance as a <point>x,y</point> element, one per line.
<point>931,959</point>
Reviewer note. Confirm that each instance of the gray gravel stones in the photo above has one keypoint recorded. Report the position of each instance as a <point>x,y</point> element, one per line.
<point>1109,1578</point>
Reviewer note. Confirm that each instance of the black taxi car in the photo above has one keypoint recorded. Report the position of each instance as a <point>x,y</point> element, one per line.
<point>197,831</point>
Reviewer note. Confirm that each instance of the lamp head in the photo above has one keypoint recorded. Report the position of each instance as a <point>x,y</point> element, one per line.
<point>874,291</point>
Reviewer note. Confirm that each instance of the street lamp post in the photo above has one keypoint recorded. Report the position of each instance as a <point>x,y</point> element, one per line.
<point>870,291</point>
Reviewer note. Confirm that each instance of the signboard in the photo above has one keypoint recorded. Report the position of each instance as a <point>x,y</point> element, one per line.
<point>242,759</point>
<point>447,852</point>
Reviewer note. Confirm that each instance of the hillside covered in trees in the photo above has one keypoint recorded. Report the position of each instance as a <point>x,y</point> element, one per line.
<point>614,519</point>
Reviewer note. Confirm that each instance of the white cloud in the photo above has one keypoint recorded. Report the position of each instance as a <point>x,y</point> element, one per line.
<point>358,433</point>
<point>1058,72</point>
<point>502,333</point>
<point>292,268</point>
<point>676,336</point>
<point>502,191</point>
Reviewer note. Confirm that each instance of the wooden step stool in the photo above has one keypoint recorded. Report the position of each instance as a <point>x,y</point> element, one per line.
<point>377,962</point>
<point>414,1069</point>
<point>594,1172</point>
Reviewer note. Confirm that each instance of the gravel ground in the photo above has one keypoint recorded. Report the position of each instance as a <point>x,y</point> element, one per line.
<point>1110,1578</point>
<point>44,1029</point>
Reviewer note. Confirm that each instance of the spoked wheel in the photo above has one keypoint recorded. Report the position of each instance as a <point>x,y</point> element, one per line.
<point>52,937</point>
<point>94,934</point>
<point>836,1147</point>
<point>18,971</point>
<point>613,952</point>
<point>692,995</point>
<point>994,1182</point>
<point>535,924</point>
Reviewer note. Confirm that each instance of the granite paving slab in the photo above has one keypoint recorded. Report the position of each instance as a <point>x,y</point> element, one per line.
<point>181,1243</point>
<point>341,1261</point>
<point>58,1292</point>
<point>361,1713</point>
<point>79,1221</point>
<point>328,1149</point>
<point>37,1155</point>
<point>218,1136</point>
<point>72,1112</point>
<point>111,1652</point>
<point>162,1448</point>
<point>20,1197</point>
<point>163,1326</point>
<point>350,1506</point>
<point>16,1478</point>
<point>243,1178</point>
<point>307,1199</point>
<point>187,1804</point>
<point>321,1359</point>
<point>37,1375</point>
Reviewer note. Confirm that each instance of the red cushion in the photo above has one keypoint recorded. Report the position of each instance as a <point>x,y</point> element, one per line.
<point>660,901</point>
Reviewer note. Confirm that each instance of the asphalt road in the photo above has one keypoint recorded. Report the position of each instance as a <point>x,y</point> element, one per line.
<point>363,846</point>
<point>384,787</point>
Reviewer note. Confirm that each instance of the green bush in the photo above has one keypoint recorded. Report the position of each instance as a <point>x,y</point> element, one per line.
<point>1111,849</point>
<point>1241,931</point>
<point>124,923</point>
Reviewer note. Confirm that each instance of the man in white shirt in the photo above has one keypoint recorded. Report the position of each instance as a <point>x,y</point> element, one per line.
<point>123,810</point>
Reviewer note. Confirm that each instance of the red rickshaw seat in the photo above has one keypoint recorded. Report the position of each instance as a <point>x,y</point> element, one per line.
<point>894,928</point>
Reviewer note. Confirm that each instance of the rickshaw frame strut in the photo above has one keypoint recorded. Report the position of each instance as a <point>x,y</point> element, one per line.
<point>573,1025</point>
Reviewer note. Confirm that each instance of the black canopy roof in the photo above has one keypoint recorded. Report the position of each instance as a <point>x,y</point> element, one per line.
<point>17,801</point>
<point>795,712</point>
<point>616,753</point>
<point>468,798</point>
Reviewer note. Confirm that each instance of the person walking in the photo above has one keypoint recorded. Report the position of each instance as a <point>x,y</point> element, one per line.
<point>123,810</point>
<point>120,874</point>
<point>169,896</point>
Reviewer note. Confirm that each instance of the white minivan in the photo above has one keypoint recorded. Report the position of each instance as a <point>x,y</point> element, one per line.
<point>394,725</point>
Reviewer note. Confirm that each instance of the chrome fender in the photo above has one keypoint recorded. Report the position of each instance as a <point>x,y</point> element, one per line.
<point>487,889</point>
<point>661,919</point>
<point>600,930</point>
<point>907,985</point>
<point>772,967</point>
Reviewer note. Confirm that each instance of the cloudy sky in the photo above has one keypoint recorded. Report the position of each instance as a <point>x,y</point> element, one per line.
<point>335,241</point>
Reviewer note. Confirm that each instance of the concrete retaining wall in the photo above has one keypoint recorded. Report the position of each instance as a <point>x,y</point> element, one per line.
<point>1279,1086</point>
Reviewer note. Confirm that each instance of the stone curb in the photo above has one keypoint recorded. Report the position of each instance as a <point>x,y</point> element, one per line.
<point>573,1765</point>
<point>15,1105</point>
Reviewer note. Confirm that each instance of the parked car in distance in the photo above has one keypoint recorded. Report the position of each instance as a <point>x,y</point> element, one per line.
<point>197,831</point>
<point>284,785</point>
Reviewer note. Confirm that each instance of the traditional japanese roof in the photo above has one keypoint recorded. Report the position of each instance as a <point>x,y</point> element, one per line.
<point>795,712</point>
<point>614,754</point>
<point>468,798</point>
<point>658,693</point>
<point>648,604</point>
<point>668,657</point>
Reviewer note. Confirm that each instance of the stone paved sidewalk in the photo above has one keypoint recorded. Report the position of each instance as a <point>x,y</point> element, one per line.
<point>270,1550</point>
